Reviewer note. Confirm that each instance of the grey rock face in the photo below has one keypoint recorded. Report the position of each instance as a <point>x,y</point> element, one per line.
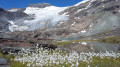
<point>4,26</point>
<point>6,16</point>
<point>1,9</point>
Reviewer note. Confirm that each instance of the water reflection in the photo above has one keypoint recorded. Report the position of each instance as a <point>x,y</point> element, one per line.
<point>103,47</point>
<point>4,66</point>
<point>91,47</point>
<point>3,62</point>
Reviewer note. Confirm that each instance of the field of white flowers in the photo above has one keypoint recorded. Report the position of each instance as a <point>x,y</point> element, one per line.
<point>58,58</point>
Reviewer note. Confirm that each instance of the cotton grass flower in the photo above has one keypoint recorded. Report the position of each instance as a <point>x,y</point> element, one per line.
<point>43,57</point>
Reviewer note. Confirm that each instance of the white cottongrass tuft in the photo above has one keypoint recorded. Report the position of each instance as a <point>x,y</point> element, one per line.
<point>42,57</point>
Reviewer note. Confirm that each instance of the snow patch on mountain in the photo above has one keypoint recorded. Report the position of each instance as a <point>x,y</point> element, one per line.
<point>83,31</point>
<point>13,10</point>
<point>84,1</point>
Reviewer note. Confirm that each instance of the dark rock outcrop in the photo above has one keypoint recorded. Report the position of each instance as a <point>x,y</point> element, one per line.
<point>1,10</point>
<point>47,46</point>
<point>4,26</point>
<point>14,46</point>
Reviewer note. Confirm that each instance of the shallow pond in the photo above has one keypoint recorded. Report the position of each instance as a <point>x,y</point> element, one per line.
<point>3,62</point>
<point>91,46</point>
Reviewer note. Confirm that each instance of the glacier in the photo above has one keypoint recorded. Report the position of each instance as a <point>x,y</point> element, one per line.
<point>42,17</point>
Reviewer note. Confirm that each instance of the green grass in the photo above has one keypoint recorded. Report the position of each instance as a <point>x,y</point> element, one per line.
<point>97,61</point>
<point>17,64</point>
<point>111,39</point>
<point>105,62</point>
<point>12,63</point>
<point>6,56</point>
<point>67,42</point>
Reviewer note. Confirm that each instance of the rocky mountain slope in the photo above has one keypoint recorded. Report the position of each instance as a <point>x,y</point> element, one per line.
<point>6,17</point>
<point>43,20</point>
<point>92,16</point>
<point>86,18</point>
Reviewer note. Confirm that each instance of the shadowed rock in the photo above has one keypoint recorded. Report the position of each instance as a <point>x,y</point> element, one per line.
<point>47,46</point>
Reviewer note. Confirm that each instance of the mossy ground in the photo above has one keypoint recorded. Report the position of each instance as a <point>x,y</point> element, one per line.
<point>111,40</point>
<point>97,61</point>
<point>67,42</point>
<point>11,62</point>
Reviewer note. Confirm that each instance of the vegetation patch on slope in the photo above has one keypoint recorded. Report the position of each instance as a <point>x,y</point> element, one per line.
<point>12,63</point>
<point>111,39</point>
<point>71,41</point>
<point>58,58</point>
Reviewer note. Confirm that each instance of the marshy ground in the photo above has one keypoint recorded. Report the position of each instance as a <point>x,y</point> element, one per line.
<point>82,57</point>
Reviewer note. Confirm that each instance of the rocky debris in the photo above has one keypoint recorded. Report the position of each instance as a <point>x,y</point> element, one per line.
<point>54,33</point>
<point>14,46</point>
